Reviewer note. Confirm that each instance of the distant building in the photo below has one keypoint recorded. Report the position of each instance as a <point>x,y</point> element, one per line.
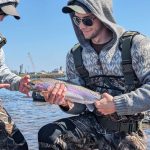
<point>21,69</point>
<point>59,71</point>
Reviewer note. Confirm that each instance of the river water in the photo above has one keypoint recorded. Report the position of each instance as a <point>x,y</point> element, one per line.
<point>29,116</point>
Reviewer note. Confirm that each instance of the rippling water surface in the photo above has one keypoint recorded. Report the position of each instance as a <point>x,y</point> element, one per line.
<point>29,116</point>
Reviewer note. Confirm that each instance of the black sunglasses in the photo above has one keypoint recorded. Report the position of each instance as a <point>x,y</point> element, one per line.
<point>87,21</point>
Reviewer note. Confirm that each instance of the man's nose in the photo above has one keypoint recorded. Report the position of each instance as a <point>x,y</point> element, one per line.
<point>82,26</point>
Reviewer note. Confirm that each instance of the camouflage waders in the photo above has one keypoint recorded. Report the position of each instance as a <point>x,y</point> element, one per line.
<point>10,137</point>
<point>85,132</point>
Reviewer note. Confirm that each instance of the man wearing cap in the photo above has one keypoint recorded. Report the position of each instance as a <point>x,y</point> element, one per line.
<point>10,136</point>
<point>98,63</point>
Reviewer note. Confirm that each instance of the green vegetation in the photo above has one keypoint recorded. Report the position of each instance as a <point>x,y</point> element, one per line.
<point>47,75</point>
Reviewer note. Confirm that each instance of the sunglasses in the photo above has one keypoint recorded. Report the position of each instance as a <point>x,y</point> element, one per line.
<point>87,21</point>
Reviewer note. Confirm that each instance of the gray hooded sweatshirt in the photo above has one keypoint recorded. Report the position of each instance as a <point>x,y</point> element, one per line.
<point>110,61</point>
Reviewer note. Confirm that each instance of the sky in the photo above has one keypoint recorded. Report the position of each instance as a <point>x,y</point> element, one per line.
<point>47,35</point>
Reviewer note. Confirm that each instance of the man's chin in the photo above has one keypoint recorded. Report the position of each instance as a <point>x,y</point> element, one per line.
<point>87,37</point>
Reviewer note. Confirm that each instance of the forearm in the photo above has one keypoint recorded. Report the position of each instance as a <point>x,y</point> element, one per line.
<point>133,102</point>
<point>6,76</point>
<point>138,100</point>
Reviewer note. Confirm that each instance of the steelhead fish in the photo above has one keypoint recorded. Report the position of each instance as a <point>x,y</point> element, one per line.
<point>75,93</point>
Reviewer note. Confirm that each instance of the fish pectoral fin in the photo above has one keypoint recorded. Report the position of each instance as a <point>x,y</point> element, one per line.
<point>90,107</point>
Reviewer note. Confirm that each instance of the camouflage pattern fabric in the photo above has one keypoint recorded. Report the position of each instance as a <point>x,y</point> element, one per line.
<point>10,137</point>
<point>84,132</point>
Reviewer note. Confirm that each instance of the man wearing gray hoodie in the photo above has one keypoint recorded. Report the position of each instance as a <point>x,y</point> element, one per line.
<point>10,136</point>
<point>115,121</point>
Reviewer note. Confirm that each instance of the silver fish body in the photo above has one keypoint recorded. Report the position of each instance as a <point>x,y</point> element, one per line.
<point>75,93</point>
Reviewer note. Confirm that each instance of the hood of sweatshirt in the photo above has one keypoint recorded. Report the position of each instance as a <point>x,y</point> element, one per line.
<point>102,9</point>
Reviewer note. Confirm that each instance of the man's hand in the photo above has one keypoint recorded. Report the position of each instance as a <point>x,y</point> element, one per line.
<point>23,86</point>
<point>56,95</point>
<point>105,105</point>
<point>6,86</point>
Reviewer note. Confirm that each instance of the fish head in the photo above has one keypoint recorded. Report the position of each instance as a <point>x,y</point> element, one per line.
<point>38,86</point>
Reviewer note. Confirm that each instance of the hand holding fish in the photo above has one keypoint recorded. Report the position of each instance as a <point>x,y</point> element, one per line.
<point>105,105</point>
<point>23,86</point>
<point>55,95</point>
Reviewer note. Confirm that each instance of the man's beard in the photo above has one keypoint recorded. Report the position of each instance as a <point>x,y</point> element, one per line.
<point>93,35</point>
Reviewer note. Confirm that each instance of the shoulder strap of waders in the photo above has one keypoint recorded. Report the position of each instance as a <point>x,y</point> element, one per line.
<point>125,45</point>
<point>78,61</point>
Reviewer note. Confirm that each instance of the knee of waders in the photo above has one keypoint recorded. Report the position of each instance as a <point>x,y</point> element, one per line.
<point>14,141</point>
<point>19,139</point>
<point>49,133</point>
<point>5,140</point>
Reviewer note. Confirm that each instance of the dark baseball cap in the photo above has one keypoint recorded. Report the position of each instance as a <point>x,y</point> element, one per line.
<point>10,9</point>
<point>76,7</point>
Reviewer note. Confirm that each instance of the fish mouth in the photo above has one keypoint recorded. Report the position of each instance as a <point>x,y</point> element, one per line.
<point>32,87</point>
